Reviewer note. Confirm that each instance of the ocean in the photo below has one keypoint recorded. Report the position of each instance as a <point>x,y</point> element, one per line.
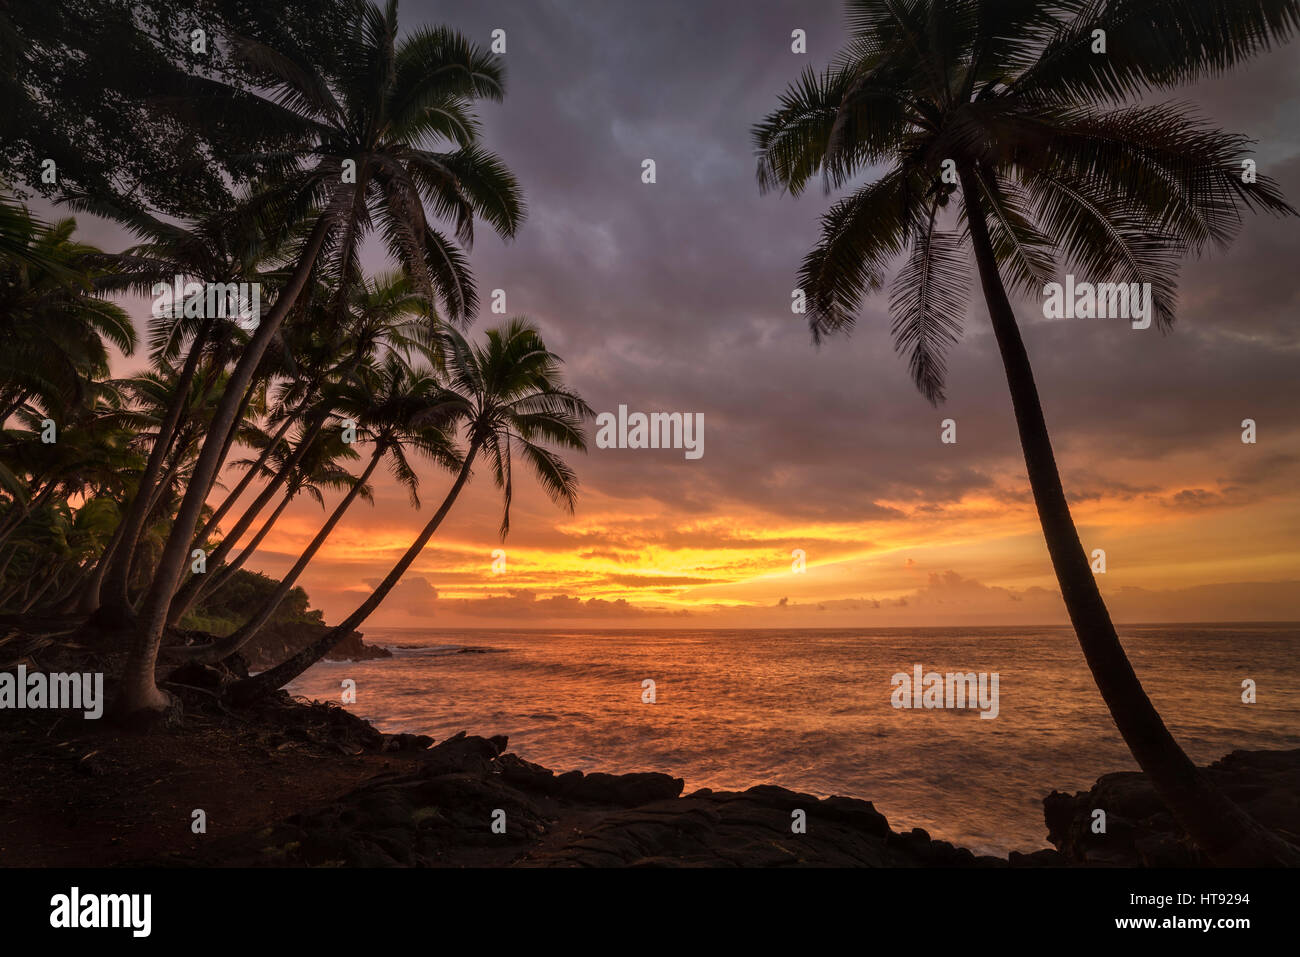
<point>811,710</point>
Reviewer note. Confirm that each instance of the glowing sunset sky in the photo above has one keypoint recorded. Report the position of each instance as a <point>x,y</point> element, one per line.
<point>676,297</point>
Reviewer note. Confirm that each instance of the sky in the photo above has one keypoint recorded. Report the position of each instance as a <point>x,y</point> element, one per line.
<point>675,297</point>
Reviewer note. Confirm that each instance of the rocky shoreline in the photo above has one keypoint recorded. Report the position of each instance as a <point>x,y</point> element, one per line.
<point>276,642</point>
<point>1140,831</point>
<point>292,783</point>
<point>440,809</point>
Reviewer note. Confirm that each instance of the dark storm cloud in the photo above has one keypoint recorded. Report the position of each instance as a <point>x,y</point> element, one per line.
<point>675,296</point>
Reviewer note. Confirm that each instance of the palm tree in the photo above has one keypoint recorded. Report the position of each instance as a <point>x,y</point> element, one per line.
<point>1012,94</point>
<point>319,469</point>
<point>384,312</point>
<point>510,397</point>
<point>397,410</point>
<point>364,165</point>
<point>55,323</point>
<point>212,250</point>
<point>46,539</point>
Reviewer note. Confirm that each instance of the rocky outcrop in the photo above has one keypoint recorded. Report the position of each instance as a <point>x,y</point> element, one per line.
<point>1140,831</point>
<point>765,826</point>
<point>467,802</point>
<point>276,642</point>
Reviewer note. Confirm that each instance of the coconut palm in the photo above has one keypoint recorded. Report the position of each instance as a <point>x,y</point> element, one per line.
<point>383,312</point>
<point>396,410</point>
<point>55,324</point>
<point>318,470</point>
<point>1052,171</point>
<point>509,396</point>
<point>212,250</point>
<point>369,162</point>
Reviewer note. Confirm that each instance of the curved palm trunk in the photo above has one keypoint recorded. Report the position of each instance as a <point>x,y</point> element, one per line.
<point>87,602</point>
<point>138,690</point>
<point>231,435</point>
<point>116,576</point>
<point>1222,829</point>
<point>227,646</point>
<point>187,594</point>
<point>39,592</point>
<point>224,572</point>
<point>111,612</point>
<point>244,482</point>
<point>273,678</point>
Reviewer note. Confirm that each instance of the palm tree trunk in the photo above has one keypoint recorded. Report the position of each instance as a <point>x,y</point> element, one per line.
<point>239,637</point>
<point>210,583</point>
<point>1222,829</point>
<point>185,597</point>
<point>39,592</point>
<point>268,681</point>
<point>87,602</point>
<point>139,690</point>
<point>202,534</point>
<point>118,575</point>
<point>247,480</point>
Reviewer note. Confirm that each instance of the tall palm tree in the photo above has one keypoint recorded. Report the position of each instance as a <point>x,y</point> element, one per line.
<point>397,410</point>
<point>212,250</point>
<point>510,397</point>
<point>167,412</point>
<point>1051,171</point>
<point>383,312</point>
<point>367,163</point>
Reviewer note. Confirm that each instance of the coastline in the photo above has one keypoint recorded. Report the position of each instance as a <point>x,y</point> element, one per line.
<point>298,784</point>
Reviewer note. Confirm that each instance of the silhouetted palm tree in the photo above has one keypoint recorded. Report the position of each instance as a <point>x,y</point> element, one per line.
<point>318,469</point>
<point>211,250</point>
<point>382,313</point>
<point>55,322</point>
<point>1011,92</point>
<point>365,165</point>
<point>511,400</point>
<point>397,410</point>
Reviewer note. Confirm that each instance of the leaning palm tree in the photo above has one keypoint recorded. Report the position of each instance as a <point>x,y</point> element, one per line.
<point>510,398</point>
<point>368,161</point>
<point>317,471</point>
<point>1010,96</point>
<point>382,313</point>
<point>397,410</point>
<point>211,250</point>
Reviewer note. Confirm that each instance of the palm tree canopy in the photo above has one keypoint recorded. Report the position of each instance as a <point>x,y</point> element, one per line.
<point>387,134</point>
<point>1017,96</point>
<point>514,401</point>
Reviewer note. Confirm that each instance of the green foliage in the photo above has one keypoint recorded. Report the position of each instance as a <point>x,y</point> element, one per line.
<point>99,87</point>
<point>227,607</point>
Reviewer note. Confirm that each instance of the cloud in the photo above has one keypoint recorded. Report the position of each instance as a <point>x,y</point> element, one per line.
<point>413,595</point>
